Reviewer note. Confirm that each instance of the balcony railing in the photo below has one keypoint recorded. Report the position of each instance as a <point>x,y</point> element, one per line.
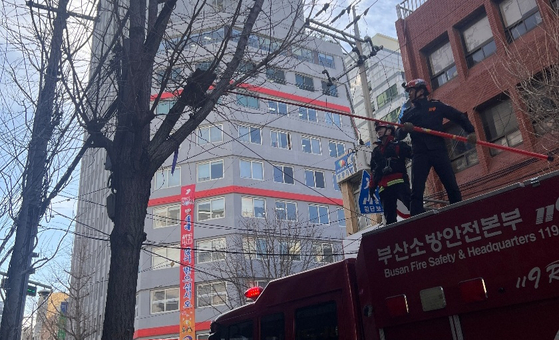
<point>406,7</point>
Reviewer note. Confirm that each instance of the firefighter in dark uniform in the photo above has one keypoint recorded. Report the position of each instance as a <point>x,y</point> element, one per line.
<point>388,168</point>
<point>430,151</point>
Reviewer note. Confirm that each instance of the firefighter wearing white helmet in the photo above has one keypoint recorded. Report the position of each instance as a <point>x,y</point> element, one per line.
<point>429,151</point>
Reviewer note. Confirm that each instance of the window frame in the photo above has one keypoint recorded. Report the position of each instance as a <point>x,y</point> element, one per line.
<point>249,136</point>
<point>277,137</point>
<point>285,210</point>
<point>211,211</point>
<point>485,48</point>
<point>167,174</point>
<point>214,255</point>
<point>252,213</point>
<point>166,263</point>
<point>166,300</point>
<point>212,295</point>
<point>533,13</point>
<point>275,75</point>
<point>450,71</point>
<point>312,146</point>
<point>321,256</point>
<point>291,248</point>
<point>314,177</point>
<point>281,168</point>
<point>251,165</point>
<point>499,138</point>
<point>319,215</point>
<point>334,119</point>
<point>247,101</point>
<point>216,128</point>
<point>167,217</point>
<point>275,107</point>
<point>306,113</point>
<point>304,82</point>
<point>210,170</point>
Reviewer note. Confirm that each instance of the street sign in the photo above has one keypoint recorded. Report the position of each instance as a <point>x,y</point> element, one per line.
<point>368,205</point>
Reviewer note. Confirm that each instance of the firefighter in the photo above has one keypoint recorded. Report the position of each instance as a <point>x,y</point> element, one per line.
<point>430,151</point>
<point>388,168</point>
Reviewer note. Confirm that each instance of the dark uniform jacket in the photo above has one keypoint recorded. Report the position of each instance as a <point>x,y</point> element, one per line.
<point>429,114</point>
<point>388,163</point>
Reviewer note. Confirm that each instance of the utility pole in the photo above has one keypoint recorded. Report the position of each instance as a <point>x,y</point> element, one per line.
<point>33,188</point>
<point>347,186</point>
<point>363,79</point>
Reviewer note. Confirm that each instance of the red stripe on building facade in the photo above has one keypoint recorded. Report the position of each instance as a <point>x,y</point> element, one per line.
<point>235,189</point>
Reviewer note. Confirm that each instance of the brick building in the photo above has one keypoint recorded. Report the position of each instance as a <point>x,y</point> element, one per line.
<point>475,54</point>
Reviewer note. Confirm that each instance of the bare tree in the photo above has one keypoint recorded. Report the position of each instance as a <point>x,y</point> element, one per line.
<point>535,72</point>
<point>270,248</point>
<point>146,47</point>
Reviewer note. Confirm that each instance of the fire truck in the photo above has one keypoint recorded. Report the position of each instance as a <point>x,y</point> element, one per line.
<point>484,268</point>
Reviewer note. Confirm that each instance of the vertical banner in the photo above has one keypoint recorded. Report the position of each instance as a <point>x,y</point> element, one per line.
<point>187,305</point>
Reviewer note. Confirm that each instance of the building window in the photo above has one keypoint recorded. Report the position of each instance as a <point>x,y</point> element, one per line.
<point>164,178</point>
<point>250,134</point>
<point>324,252</point>
<point>335,183</point>
<point>281,139</point>
<point>283,174</point>
<point>166,216</point>
<point>211,294</point>
<point>164,106</point>
<point>337,149</point>
<point>165,257</point>
<point>247,101</point>
<point>277,107</point>
<point>329,89</point>
<point>478,41</point>
<point>252,169</point>
<point>304,83</point>
<point>286,211</point>
<point>275,75</point>
<point>500,124</point>
<point>462,155</point>
<point>204,65</point>
<point>441,65</point>
<point>292,249</point>
<point>210,250</point>
<point>253,207</point>
<point>303,54</point>
<point>211,209</point>
<point>555,5</point>
<point>255,248</point>
<point>210,134</point>
<point>519,17</point>
<point>319,214</point>
<point>333,119</point>
<point>311,145</point>
<point>245,67</point>
<point>326,60</point>
<point>164,300</point>
<point>203,335</point>
<point>387,96</point>
<point>341,217</point>
<point>208,171</point>
<point>314,179</point>
<point>392,116</point>
<point>307,114</point>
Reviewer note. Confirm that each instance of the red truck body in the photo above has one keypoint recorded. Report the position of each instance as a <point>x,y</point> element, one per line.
<point>485,268</point>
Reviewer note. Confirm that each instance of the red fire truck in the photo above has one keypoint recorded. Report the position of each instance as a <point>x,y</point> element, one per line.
<point>485,268</point>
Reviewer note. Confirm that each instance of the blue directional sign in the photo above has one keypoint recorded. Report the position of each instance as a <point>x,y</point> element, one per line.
<point>368,205</point>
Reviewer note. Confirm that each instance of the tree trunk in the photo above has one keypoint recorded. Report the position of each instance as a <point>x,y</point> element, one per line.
<point>126,243</point>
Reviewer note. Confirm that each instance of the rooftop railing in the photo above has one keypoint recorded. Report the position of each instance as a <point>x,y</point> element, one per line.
<point>406,7</point>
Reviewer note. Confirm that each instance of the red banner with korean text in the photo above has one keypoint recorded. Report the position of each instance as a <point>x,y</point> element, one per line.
<point>187,316</point>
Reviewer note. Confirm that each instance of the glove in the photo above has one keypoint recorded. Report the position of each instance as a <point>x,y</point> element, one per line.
<point>472,138</point>
<point>407,127</point>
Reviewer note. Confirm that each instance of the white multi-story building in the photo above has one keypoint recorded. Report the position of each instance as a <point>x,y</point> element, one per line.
<point>265,156</point>
<point>385,75</point>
